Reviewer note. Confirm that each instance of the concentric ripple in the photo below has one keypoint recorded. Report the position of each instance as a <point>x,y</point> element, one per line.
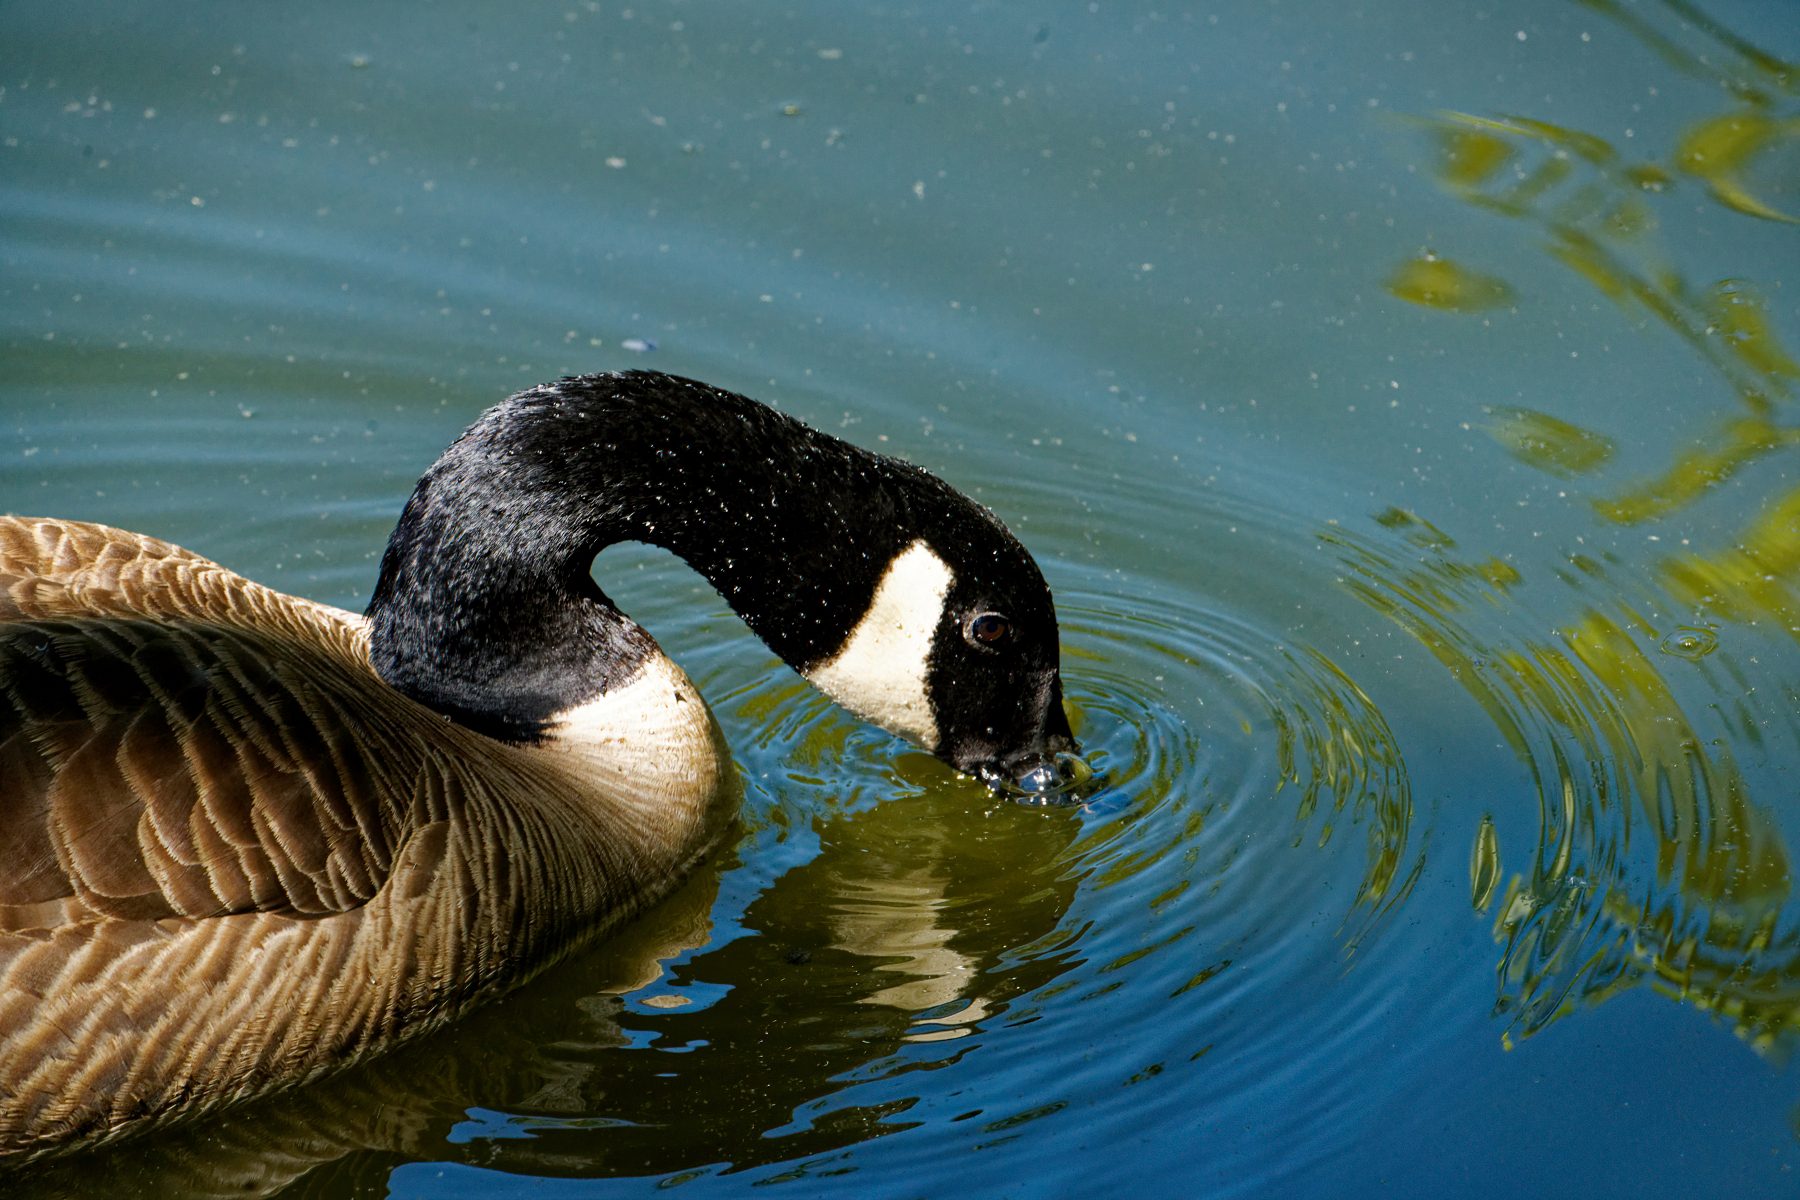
<point>1654,856</point>
<point>1179,705</point>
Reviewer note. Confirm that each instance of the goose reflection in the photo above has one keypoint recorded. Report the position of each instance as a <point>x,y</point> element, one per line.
<point>897,922</point>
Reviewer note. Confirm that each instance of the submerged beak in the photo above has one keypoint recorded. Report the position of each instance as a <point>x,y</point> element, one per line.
<point>1042,775</point>
<point>1048,771</point>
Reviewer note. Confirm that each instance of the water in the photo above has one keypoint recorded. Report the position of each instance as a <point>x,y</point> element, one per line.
<point>1398,400</point>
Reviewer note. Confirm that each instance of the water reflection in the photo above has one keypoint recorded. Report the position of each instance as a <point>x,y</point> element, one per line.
<point>1752,580</point>
<point>1335,763</point>
<point>535,1047</point>
<point>1594,207</point>
<point>1250,972</point>
<point>1440,283</point>
<point>1549,443</point>
<point>1653,862</point>
<point>1591,204</point>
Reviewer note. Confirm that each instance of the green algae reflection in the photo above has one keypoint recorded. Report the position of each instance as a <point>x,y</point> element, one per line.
<point>1549,443</point>
<point>1653,864</point>
<point>1595,210</point>
<point>1440,283</point>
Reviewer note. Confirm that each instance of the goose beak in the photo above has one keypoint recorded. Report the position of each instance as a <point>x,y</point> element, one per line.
<point>1061,777</point>
<point>1049,770</point>
<point>1052,774</point>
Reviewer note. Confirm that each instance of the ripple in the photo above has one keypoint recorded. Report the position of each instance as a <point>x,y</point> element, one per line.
<point>1691,643</point>
<point>1652,858</point>
<point>1175,701</point>
<point>892,951</point>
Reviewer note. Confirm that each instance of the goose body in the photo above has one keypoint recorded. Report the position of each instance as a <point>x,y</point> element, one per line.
<point>246,839</point>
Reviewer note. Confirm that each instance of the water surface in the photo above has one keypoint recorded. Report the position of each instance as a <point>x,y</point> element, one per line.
<point>1399,400</point>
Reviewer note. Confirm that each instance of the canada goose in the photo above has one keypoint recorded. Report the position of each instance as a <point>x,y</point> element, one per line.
<point>246,838</point>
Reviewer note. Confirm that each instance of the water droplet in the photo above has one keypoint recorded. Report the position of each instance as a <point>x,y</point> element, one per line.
<point>1691,642</point>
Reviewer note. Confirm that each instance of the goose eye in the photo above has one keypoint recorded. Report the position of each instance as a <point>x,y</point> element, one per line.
<point>987,629</point>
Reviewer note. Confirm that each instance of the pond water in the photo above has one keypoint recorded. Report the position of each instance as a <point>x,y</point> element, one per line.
<point>1398,398</point>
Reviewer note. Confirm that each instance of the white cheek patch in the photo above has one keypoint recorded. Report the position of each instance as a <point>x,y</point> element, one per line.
<point>880,673</point>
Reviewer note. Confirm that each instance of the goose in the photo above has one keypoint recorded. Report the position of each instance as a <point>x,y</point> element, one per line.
<point>247,839</point>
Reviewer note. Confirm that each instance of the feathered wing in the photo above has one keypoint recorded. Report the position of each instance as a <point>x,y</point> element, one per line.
<point>160,762</point>
<point>226,860</point>
<point>158,770</point>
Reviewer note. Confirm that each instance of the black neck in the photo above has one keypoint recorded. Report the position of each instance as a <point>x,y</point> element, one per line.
<point>485,609</point>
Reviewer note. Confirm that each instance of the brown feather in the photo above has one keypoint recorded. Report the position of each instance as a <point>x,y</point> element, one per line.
<point>232,858</point>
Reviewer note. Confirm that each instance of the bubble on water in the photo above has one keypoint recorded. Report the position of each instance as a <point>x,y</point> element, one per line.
<point>1692,642</point>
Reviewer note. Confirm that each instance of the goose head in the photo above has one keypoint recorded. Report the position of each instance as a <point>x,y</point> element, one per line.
<point>895,594</point>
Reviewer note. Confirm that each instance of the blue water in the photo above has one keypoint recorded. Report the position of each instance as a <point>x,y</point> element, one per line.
<point>1398,398</point>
